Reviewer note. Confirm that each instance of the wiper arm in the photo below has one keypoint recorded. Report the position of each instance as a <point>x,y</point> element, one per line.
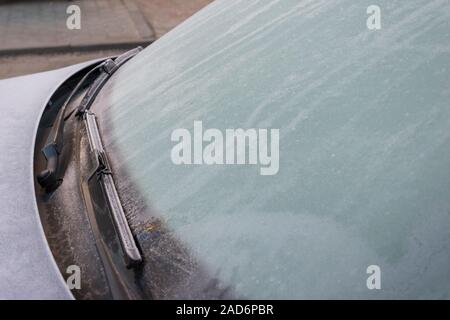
<point>50,178</point>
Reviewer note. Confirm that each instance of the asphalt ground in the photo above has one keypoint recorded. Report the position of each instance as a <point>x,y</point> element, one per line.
<point>34,36</point>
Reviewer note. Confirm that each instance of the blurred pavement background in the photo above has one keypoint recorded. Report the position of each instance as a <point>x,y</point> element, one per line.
<point>34,36</point>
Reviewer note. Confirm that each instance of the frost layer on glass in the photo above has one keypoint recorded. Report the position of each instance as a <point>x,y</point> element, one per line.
<point>364,121</point>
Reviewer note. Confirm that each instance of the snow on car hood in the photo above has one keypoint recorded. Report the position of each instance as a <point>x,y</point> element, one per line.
<point>27,267</point>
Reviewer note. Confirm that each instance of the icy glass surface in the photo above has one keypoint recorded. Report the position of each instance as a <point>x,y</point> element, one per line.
<point>364,119</point>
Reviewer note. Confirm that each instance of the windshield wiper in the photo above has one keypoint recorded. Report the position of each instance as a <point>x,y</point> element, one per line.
<point>50,178</point>
<point>102,200</point>
<point>108,68</point>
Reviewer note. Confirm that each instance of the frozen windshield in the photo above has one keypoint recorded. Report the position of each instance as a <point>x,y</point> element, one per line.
<point>343,161</point>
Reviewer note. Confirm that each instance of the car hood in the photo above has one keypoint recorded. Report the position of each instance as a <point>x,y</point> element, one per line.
<point>27,267</point>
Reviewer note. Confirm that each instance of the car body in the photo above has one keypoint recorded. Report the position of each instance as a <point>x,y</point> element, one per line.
<point>27,268</point>
<point>355,117</point>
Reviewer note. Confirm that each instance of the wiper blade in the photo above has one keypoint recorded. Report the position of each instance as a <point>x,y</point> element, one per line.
<point>50,178</point>
<point>108,68</point>
<point>100,192</point>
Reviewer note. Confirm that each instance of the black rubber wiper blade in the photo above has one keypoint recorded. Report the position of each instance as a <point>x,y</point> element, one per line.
<point>101,188</point>
<point>50,178</point>
<point>109,67</point>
